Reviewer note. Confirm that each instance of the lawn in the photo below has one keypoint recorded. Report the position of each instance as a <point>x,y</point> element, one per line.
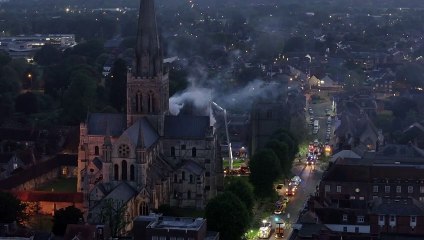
<point>237,163</point>
<point>60,185</point>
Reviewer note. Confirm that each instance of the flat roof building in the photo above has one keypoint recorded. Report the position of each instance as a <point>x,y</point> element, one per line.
<point>156,226</point>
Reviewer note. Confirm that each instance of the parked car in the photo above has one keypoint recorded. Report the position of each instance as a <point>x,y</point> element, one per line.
<point>291,190</point>
<point>280,188</point>
<point>296,179</point>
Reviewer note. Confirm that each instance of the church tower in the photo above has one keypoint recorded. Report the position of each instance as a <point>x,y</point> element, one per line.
<point>147,83</point>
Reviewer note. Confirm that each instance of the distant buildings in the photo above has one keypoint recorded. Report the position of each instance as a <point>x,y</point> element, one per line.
<point>377,196</point>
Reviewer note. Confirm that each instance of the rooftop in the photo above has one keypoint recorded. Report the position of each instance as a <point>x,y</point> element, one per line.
<point>177,223</point>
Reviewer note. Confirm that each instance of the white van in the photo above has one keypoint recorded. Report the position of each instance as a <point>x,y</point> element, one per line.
<point>316,124</point>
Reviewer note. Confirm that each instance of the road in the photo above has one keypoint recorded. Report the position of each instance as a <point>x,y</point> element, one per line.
<point>310,176</point>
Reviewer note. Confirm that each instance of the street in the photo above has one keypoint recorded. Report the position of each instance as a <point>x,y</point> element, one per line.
<point>310,175</point>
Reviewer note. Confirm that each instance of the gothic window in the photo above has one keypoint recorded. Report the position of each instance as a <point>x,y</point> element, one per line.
<point>188,194</point>
<point>132,172</point>
<point>143,209</point>
<point>269,114</point>
<point>96,150</point>
<point>124,170</point>
<point>150,102</point>
<point>175,178</point>
<point>116,172</point>
<point>172,151</point>
<point>138,102</point>
<point>183,175</point>
<point>124,151</point>
<point>191,178</point>
<point>193,152</point>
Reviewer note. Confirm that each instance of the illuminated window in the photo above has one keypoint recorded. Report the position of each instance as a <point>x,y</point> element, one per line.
<point>64,171</point>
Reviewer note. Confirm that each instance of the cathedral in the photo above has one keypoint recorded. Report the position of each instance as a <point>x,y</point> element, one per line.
<point>147,157</point>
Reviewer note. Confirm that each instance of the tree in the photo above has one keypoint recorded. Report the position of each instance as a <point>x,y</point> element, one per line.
<point>243,190</point>
<point>48,55</point>
<point>264,170</point>
<point>285,136</point>
<point>227,215</point>
<point>79,97</point>
<point>26,103</point>
<point>114,214</point>
<point>11,208</point>
<point>177,81</point>
<point>118,85</point>
<point>281,150</point>
<point>294,44</point>
<point>65,216</point>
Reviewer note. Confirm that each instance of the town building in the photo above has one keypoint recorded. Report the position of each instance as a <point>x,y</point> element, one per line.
<point>147,157</point>
<point>158,227</point>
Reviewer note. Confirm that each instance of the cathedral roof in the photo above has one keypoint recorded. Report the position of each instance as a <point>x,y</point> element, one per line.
<point>97,123</point>
<point>186,126</point>
<point>148,133</point>
<point>121,193</point>
<point>192,167</point>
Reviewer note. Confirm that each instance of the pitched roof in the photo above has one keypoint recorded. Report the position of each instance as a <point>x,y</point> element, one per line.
<point>344,154</point>
<point>82,232</point>
<point>98,122</point>
<point>401,207</point>
<point>148,133</point>
<point>192,167</point>
<point>38,170</point>
<point>98,163</point>
<point>122,193</point>
<point>186,126</point>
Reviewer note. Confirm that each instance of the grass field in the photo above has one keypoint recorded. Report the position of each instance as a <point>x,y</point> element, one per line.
<point>237,163</point>
<point>60,185</point>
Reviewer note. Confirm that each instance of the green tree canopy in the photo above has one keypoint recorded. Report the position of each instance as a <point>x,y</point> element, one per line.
<point>26,103</point>
<point>65,216</point>
<point>227,215</point>
<point>177,81</point>
<point>264,170</point>
<point>243,190</point>
<point>113,213</point>
<point>11,208</point>
<point>79,97</point>
<point>281,150</point>
<point>118,85</point>
<point>48,55</point>
<point>285,136</point>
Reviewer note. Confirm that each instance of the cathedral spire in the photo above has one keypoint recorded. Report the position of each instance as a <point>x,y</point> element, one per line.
<point>148,50</point>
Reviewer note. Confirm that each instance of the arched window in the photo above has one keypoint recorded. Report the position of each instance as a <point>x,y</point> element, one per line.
<point>183,175</point>
<point>116,172</point>
<point>191,178</point>
<point>138,102</point>
<point>175,178</point>
<point>96,150</point>
<point>124,170</point>
<point>143,209</point>
<point>193,152</point>
<point>188,194</point>
<point>132,172</point>
<point>151,102</point>
<point>172,151</point>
